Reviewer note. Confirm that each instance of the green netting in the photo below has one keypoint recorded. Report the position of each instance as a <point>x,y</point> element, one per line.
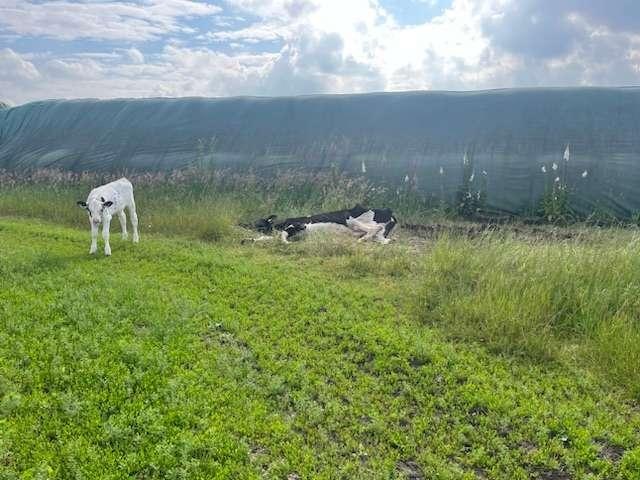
<point>395,137</point>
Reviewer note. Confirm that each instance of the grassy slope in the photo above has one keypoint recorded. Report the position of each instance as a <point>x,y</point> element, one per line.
<point>567,301</point>
<point>176,359</point>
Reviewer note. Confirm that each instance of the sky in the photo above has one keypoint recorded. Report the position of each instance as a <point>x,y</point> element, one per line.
<point>175,48</point>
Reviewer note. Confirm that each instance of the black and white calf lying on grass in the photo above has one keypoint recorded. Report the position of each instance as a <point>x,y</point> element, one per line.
<point>103,203</point>
<point>365,223</point>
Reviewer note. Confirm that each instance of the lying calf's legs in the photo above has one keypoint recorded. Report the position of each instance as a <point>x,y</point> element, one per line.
<point>369,230</point>
<point>261,238</point>
<point>381,238</point>
<point>372,233</point>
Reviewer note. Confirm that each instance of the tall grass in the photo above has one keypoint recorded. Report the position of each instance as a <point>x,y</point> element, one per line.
<point>202,203</point>
<point>543,301</point>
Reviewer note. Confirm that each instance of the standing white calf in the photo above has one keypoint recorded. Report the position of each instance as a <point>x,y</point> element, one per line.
<point>103,203</point>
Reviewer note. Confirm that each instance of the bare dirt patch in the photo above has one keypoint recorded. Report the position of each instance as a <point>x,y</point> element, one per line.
<point>410,469</point>
<point>554,475</point>
<point>477,230</point>
<point>610,452</point>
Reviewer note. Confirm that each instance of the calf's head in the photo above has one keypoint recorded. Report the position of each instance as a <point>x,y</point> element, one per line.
<point>96,208</point>
<point>265,225</point>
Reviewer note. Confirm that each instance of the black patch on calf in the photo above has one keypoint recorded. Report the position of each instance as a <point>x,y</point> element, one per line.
<point>382,215</point>
<point>82,204</point>
<point>358,210</point>
<point>388,228</point>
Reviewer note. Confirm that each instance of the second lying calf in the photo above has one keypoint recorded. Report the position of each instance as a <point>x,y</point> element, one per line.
<point>365,223</point>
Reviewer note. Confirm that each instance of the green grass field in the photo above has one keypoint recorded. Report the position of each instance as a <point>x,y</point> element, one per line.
<point>499,357</point>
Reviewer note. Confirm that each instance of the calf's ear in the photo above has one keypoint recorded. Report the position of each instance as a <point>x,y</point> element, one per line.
<point>81,204</point>
<point>108,204</point>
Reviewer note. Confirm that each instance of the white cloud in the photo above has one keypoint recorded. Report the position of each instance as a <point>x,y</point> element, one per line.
<point>13,67</point>
<point>176,71</point>
<point>353,46</point>
<point>472,44</point>
<point>104,20</point>
<point>317,46</point>
<point>286,10</point>
<point>80,68</point>
<point>134,55</point>
<point>253,34</point>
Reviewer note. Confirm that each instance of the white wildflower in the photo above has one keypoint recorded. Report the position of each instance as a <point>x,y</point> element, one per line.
<point>473,175</point>
<point>584,174</point>
<point>406,178</point>
<point>554,166</point>
<point>557,179</point>
<point>441,171</point>
<point>465,159</point>
<point>363,167</point>
<point>544,169</point>
<point>566,153</point>
<point>484,172</point>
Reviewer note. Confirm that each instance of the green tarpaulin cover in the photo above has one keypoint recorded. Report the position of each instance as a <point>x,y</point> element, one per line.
<point>416,138</point>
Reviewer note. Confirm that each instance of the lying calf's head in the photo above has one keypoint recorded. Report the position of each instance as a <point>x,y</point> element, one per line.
<point>95,207</point>
<point>265,225</point>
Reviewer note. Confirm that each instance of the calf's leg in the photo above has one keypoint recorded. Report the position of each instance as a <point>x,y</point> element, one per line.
<point>123,224</point>
<point>106,223</point>
<point>371,233</point>
<point>261,238</point>
<point>134,221</point>
<point>369,230</point>
<point>94,238</point>
<point>380,236</point>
